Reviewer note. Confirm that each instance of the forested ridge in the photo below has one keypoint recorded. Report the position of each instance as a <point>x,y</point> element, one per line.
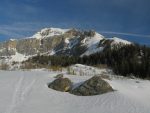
<point>124,60</point>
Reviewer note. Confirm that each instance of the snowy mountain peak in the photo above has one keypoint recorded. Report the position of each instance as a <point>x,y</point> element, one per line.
<point>89,41</point>
<point>99,36</point>
<point>117,40</point>
<point>49,32</point>
<point>92,44</point>
<point>12,39</point>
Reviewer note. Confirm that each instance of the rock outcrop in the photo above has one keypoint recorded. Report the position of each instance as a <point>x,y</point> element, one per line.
<point>59,76</point>
<point>61,84</point>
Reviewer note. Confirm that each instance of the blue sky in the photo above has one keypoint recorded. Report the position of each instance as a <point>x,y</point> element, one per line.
<point>129,19</point>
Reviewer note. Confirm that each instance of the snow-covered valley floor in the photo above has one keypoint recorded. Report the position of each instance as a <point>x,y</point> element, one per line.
<point>27,92</point>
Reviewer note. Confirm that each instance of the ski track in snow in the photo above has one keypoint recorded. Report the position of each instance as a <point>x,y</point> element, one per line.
<point>19,94</point>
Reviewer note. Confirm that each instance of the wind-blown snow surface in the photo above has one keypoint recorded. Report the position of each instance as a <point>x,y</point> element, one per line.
<point>27,92</point>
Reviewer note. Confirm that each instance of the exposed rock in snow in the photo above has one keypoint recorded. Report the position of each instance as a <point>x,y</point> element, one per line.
<point>94,86</point>
<point>83,70</point>
<point>61,84</point>
<point>59,76</point>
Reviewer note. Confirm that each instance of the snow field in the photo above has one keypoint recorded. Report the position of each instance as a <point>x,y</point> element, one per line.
<point>27,92</point>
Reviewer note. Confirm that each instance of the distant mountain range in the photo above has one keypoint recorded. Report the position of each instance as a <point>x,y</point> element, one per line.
<point>56,41</point>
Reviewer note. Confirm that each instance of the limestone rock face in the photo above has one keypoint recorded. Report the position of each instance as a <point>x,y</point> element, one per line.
<point>8,48</point>
<point>67,43</point>
<point>28,46</point>
<point>94,86</point>
<point>61,84</point>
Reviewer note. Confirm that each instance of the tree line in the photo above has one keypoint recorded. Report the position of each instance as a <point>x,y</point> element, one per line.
<point>125,60</point>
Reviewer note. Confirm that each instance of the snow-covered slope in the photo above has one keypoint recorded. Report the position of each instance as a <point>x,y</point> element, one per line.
<point>15,58</point>
<point>90,41</point>
<point>117,40</point>
<point>18,57</point>
<point>27,92</point>
<point>92,44</point>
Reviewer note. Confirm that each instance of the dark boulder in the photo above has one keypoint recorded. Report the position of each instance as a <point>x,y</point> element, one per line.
<point>94,86</point>
<point>61,84</point>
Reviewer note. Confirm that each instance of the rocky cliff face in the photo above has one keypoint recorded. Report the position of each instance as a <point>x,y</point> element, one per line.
<point>55,41</point>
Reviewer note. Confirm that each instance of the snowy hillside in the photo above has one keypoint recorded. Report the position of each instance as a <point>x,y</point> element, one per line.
<point>92,44</point>
<point>119,41</point>
<point>27,92</point>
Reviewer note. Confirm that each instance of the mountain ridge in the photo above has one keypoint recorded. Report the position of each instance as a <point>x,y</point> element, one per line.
<point>57,41</point>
